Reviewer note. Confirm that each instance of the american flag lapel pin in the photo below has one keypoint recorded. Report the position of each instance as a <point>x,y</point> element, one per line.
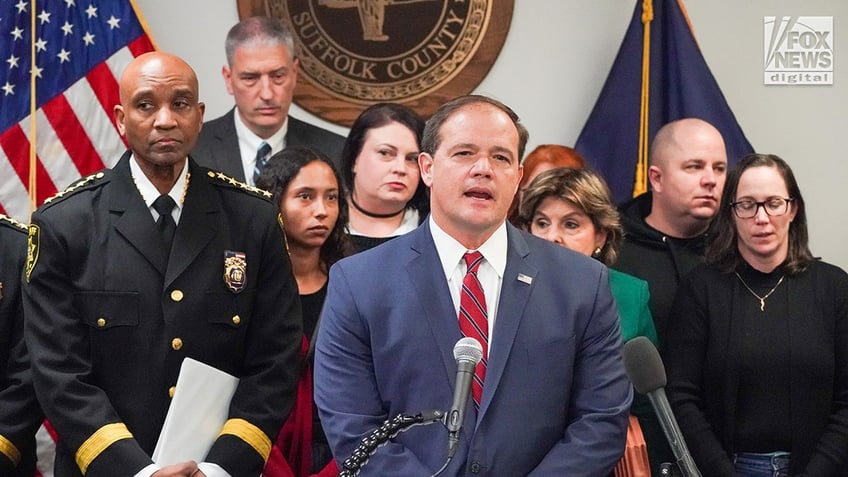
<point>525,278</point>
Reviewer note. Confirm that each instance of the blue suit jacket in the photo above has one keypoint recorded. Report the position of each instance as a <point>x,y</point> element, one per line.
<point>556,398</point>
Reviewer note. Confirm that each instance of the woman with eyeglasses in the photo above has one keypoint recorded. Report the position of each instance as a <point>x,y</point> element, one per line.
<point>757,354</point>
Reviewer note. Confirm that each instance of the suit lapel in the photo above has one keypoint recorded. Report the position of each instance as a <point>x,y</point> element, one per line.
<point>513,300</point>
<point>135,222</point>
<point>295,133</point>
<point>197,223</point>
<point>227,157</point>
<point>425,272</point>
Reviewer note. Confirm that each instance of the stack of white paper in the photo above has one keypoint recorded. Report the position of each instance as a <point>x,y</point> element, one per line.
<point>198,411</point>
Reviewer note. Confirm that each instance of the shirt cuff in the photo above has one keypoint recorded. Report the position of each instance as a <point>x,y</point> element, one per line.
<point>212,470</point>
<point>147,471</point>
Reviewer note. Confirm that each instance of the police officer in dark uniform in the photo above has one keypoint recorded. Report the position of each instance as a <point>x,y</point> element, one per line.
<point>20,414</point>
<point>133,269</point>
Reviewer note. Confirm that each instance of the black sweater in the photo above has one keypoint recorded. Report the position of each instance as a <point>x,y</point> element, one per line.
<point>660,260</point>
<point>706,375</point>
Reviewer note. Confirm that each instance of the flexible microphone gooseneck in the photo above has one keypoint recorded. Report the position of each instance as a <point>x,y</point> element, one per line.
<point>467,352</point>
<point>391,428</point>
<point>646,371</point>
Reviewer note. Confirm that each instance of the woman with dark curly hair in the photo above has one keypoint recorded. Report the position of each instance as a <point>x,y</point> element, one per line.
<point>307,190</point>
<point>574,208</point>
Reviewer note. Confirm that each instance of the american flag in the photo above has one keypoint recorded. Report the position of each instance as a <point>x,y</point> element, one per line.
<point>81,47</point>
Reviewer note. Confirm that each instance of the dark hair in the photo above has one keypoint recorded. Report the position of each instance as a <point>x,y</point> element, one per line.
<point>377,116</point>
<point>585,190</point>
<point>431,140</point>
<point>723,249</point>
<point>261,30</point>
<point>278,173</point>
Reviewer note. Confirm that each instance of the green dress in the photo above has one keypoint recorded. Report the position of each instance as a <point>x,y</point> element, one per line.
<point>631,295</point>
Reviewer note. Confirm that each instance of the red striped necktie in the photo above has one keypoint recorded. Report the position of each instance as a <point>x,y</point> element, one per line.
<point>474,319</point>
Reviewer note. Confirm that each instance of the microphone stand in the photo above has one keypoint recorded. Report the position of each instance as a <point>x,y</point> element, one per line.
<point>380,436</point>
<point>685,462</point>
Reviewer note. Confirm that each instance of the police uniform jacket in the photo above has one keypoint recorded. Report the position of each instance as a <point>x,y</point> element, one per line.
<point>111,318</point>
<point>20,414</point>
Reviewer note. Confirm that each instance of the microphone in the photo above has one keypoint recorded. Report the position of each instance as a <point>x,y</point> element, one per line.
<point>646,371</point>
<point>467,352</point>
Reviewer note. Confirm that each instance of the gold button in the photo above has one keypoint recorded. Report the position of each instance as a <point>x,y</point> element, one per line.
<point>171,391</point>
<point>236,320</point>
<point>176,343</point>
<point>177,295</point>
<point>101,322</point>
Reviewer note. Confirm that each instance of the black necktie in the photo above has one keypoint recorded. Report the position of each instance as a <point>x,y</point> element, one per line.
<point>261,159</point>
<point>164,204</point>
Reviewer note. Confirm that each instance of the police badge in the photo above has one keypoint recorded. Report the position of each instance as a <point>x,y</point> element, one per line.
<point>33,242</point>
<point>235,270</point>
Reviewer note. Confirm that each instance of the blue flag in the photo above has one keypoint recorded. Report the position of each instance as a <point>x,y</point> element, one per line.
<point>679,85</point>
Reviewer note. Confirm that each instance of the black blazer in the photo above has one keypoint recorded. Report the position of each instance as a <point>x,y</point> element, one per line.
<point>218,149</point>
<point>702,356</point>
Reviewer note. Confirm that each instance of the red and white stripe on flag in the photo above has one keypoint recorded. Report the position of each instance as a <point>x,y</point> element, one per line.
<point>81,50</point>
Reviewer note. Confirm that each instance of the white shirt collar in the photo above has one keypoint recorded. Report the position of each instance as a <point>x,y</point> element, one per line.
<point>149,193</point>
<point>450,251</point>
<point>249,144</point>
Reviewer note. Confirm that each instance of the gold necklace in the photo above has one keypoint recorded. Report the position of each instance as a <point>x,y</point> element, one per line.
<point>761,298</point>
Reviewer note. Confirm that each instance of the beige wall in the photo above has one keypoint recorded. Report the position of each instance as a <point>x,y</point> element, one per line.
<point>556,59</point>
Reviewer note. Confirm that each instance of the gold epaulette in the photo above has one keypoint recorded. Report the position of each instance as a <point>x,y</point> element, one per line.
<point>80,184</point>
<point>14,223</point>
<point>224,179</point>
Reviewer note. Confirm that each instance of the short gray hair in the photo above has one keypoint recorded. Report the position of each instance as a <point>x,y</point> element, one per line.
<point>258,30</point>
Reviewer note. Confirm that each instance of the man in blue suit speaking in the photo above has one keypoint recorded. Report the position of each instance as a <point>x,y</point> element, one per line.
<point>550,397</point>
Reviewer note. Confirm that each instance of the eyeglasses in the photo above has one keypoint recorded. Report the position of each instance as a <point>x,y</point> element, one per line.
<point>775,206</point>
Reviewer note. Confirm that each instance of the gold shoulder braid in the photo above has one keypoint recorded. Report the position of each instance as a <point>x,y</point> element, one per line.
<point>12,222</point>
<point>185,187</point>
<point>225,179</point>
<point>76,185</point>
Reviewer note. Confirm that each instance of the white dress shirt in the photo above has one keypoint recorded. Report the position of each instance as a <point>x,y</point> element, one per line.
<point>490,273</point>
<point>149,193</point>
<point>249,144</point>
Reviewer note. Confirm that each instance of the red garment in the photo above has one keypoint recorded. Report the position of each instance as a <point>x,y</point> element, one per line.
<point>291,455</point>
